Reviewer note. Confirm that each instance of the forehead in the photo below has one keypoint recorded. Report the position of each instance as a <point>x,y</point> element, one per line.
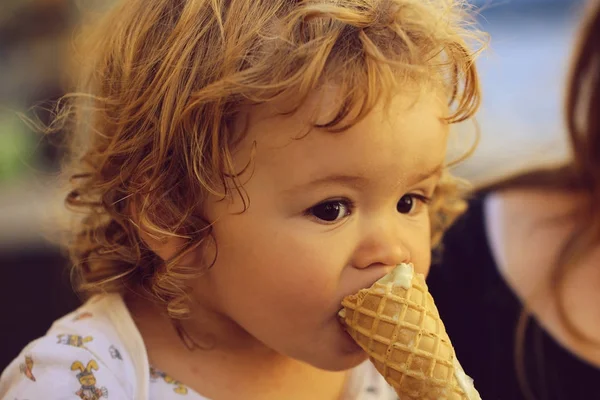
<point>397,140</point>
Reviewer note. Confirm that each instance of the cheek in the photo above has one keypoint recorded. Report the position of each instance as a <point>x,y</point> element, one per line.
<point>287,268</point>
<point>423,264</point>
<point>421,247</point>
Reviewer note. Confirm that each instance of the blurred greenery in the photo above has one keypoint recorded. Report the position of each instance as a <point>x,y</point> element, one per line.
<point>33,54</point>
<point>17,146</point>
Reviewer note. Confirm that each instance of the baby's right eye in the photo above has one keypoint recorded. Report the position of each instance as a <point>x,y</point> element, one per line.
<point>331,210</point>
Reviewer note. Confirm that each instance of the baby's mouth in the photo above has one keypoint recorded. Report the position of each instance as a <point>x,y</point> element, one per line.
<point>341,315</point>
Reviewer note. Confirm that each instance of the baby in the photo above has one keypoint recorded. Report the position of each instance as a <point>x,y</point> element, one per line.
<point>238,168</point>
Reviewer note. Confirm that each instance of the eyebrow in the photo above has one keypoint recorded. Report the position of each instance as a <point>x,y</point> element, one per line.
<point>356,181</point>
<point>424,175</point>
<point>359,181</point>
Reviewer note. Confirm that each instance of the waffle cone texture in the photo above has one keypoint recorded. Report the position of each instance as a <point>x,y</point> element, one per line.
<point>397,323</point>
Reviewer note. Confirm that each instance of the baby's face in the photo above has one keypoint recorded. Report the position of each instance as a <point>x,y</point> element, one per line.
<point>88,381</point>
<point>329,214</point>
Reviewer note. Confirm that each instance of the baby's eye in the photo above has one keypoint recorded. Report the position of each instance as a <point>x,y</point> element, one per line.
<point>410,203</point>
<point>330,211</point>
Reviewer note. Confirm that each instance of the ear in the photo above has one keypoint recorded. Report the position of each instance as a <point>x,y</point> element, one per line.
<point>92,365</point>
<point>166,247</point>
<point>77,365</point>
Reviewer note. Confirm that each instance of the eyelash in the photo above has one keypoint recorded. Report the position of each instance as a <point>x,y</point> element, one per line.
<point>422,198</point>
<point>349,205</point>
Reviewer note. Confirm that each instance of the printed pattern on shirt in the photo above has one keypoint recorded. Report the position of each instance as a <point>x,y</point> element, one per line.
<point>156,374</point>
<point>82,315</point>
<point>115,353</point>
<point>87,380</point>
<point>26,368</point>
<point>74,340</point>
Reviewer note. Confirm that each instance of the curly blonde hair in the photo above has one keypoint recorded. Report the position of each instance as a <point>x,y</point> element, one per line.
<point>151,123</point>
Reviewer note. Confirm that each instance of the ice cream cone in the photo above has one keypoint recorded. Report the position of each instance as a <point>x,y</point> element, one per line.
<point>397,323</point>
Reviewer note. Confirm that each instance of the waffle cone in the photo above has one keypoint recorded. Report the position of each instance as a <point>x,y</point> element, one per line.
<point>400,328</point>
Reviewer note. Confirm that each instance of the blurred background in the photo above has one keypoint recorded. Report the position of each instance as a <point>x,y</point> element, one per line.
<point>523,76</point>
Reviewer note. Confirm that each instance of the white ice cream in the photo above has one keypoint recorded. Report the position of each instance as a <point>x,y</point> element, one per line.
<point>402,276</point>
<point>465,382</point>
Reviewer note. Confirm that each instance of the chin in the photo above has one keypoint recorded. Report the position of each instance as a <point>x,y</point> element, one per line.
<point>343,363</point>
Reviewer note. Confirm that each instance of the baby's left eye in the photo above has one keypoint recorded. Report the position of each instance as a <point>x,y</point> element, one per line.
<point>409,203</point>
<point>331,211</point>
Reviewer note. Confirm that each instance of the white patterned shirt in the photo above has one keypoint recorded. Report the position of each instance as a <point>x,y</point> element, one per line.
<point>97,352</point>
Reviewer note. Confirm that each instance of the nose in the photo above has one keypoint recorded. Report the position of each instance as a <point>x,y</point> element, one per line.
<point>382,245</point>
